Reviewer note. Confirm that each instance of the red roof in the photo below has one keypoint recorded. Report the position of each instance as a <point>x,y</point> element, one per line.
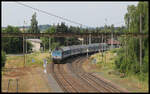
<point>113,42</point>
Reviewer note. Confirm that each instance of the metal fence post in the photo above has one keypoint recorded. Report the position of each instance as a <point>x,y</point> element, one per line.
<point>17,85</point>
<point>8,84</point>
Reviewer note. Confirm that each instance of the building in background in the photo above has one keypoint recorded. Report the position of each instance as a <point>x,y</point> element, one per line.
<point>115,43</point>
<point>36,44</point>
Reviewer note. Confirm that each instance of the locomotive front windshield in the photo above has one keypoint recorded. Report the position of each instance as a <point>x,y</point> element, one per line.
<point>56,53</point>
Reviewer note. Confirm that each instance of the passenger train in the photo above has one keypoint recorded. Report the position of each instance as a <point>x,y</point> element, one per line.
<point>62,53</point>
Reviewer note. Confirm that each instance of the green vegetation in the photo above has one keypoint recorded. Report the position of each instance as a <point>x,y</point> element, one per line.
<point>13,44</point>
<point>54,41</point>
<point>34,25</point>
<point>128,60</point>
<point>62,28</point>
<point>109,71</point>
<point>58,41</point>
<point>124,66</point>
<point>18,61</point>
<point>43,27</point>
<point>3,56</point>
<point>38,59</point>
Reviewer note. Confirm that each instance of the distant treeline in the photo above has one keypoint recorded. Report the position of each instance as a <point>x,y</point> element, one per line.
<point>41,27</point>
<point>62,28</point>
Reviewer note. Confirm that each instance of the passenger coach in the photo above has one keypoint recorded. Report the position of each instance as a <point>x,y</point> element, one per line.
<point>62,53</point>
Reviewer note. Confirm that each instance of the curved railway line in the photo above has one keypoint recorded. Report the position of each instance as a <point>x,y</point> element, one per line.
<point>65,80</point>
<point>101,85</point>
<point>75,79</point>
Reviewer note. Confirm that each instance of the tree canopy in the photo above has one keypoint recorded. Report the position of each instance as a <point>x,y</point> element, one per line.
<point>129,56</point>
<point>34,24</point>
<point>13,44</point>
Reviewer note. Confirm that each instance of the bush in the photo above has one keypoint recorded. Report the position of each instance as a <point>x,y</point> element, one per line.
<point>142,76</point>
<point>114,51</point>
<point>145,65</point>
<point>3,58</point>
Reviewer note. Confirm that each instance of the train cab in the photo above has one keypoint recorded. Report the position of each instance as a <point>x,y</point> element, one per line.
<point>57,55</point>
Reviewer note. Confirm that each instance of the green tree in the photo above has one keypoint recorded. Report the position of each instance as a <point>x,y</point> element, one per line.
<point>13,44</point>
<point>3,56</point>
<point>45,40</point>
<point>112,28</point>
<point>62,28</point>
<point>34,25</point>
<point>131,50</point>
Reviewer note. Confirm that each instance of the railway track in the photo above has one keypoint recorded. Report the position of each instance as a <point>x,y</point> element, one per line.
<point>82,81</point>
<point>65,80</point>
<point>97,82</point>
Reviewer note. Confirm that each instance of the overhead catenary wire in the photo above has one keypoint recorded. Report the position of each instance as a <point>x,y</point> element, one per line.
<point>66,19</point>
<point>51,14</point>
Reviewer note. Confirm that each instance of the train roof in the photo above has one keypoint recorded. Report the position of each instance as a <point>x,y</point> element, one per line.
<point>65,48</point>
<point>79,46</point>
<point>75,46</point>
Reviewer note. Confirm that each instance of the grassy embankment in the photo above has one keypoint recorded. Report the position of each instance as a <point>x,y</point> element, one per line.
<point>18,61</point>
<point>107,70</point>
<point>38,59</point>
<point>31,78</point>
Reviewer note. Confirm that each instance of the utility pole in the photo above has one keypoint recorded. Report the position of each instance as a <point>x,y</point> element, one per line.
<point>23,44</point>
<point>87,40</point>
<point>105,47</point>
<point>49,43</point>
<point>26,43</point>
<point>140,41</point>
<point>105,40</point>
<point>126,48</point>
<point>26,51</point>
<point>112,39</point>
<point>102,48</point>
<point>90,39</point>
<point>82,41</point>
<point>23,51</point>
<point>126,54</point>
<point>25,37</point>
<point>44,47</point>
<point>99,44</point>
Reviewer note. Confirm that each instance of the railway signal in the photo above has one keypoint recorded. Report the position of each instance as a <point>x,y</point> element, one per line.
<point>32,60</point>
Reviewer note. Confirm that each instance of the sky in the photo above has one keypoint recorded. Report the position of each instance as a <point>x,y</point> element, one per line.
<point>91,14</point>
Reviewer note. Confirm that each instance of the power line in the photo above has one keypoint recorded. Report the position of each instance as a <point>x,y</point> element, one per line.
<point>52,14</point>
